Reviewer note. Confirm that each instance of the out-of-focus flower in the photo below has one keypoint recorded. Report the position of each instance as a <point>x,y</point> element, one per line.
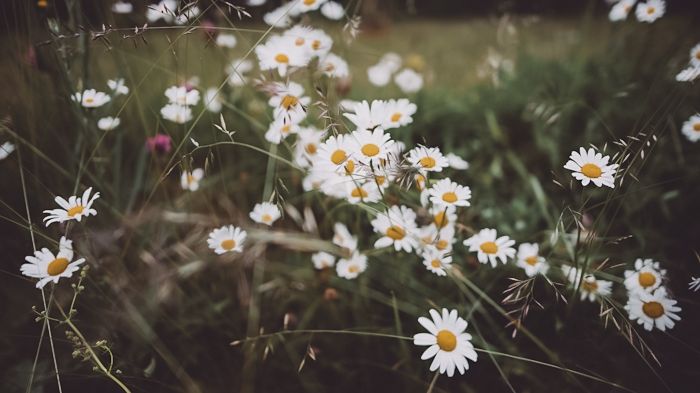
<point>159,143</point>
<point>409,81</point>
<point>108,123</point>
<point>122,7</point>
<point>91,98</point>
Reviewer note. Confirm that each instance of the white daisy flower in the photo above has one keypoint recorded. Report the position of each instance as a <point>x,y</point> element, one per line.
<point>436,261</point>
<point>280,17</point>
<point>256,3</point>
<point>280,53</point>
<point>117,86</point>
<point>108,123</point>
<point>370,146</point>
<point>397,227</point>
<point>392,61</point>
<point>650,11</point>
<point>448,193</point>
<point>691,128</point>
<point>186,15</point>
<point>442,239</point>
<point>122,7</point>
<point>409,81</point>
<point>227,239</point>
<point>379,75</point>
<point>591,288</point>
<point>334,154</point>
<point>694,284</point>
<point>91,98</point>
<point>443,215</point>
<point>165,10</point>
<point>620,10</point>
<point>5,150</point>
<point>280,129</point>
<point>306,147</point>
<point>343,238</point>
<point>289,102</point>
<point>653,309</point>
<point>323,260</point>
<point>695,55</point>
<point>75,208</point>
<point>688,74</point>
<point>190,180</point>
<point>265,213</point>
<point>47,267</point>
<point>226,40</point>
<point>366,116</point>
<point>334,66</point>
<point>236,72</point>
<point>530,260</point>
<point>179,114</point>
<point>590,166</point>
<point>332,10</point>
<point>308,5</point>
<point>456,162</point>
<point>180,95</point>
<point>646,276</point>
<point>351,267</point>
<point>427,158</point>
<point>447,342</point>
<point>491,248</point>
<point>212,100</point>
<point>361,192</point>
<point>398,113</point>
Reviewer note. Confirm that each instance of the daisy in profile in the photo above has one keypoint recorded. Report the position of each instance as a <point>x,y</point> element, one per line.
<point>117,86</point>
<point>333,10</point>
<point>456,162</point>
<point>323,260</point>
<point>190,179</point>
<point>688,74</point>
<point>280,129</point>
<point>343,238</point>
<point>289,102</point>
<point>490,248</point>
<point>334,66</point>
<point>227,239</point>
<point>650,11</point>
<point>265,213</point>
<point>366,116</point>
<point>591,288</point>
<point>108,123</point>
<point>691,128</point>
<point>621,10</point>
<point>398,113</point>
<point>436,261</point>
<point>397,227</point>
<point>226,40</point>
<point>371,146</point>
<point>351,267</point>
<point>530,260</point>
<point>91,98</point>
<point>281,53</point>
<point>427,158</point>
<point>447,342</point>
<point>179,114</point>
<point>646,276</point>
<point>75,208</point>
<point>180,95</point>
<point>5,150</point>
<point>165,9</point>
<point>590,166</point>
<point>409,81</point>
<point>653,309</point>
<point>448,193</point>
<point>47,267</point>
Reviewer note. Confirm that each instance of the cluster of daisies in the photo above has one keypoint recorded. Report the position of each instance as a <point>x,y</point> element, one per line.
<point>91,99</point>
<point>691,128</point>
<point>182,98</point>
<point>646,11</point>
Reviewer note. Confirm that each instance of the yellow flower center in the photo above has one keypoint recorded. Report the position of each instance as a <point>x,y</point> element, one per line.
<point>316,44</point>
<point>396,117</point>
<point>57,266</point>
<point>282,58</point>
<point>359,192</point>
<point>311,148</point>
<point>446,340</point>
<point>489,247</point>
<point>350,167</point>
<point>228,244</point>
<point>75,210</point>
<point>338,156</point>
<point>420,182</point>
<point>370,150</point>
<point>653,309</point>
<point>651,10</point>
<point>449,197</point>
<point>299,41</point>
<point>266,218</point>
<point>354,269</point>
<point>532,261</point>
<point>646,279</point>
<point>590,285</point>
<point>309,2</point>
<point>696,126</point>
<point>440,219</point>
<point>288,102</point>
<point>592,171</point>
<point>396,232</point>
<point>89,100</point>
<point>435,263</point>
<point>427,162</point>
<point>441,244</point>
<point>42,3</point>
<point>286,128</point>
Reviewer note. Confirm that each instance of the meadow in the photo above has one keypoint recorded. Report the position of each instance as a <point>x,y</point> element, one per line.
<point>162,304</point>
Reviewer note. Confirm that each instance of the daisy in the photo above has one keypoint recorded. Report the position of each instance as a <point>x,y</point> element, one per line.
<point>187,14</point>
<point>398,113</point>
<point>176,113</point>
<point>646,276</point>
<point>75,208</point>
<point>366,116</point>
<point>343,238</point>
<point>396,226</point>
<point>265,213</point>
<point>280,16</point>
<point>323,260</point>
<point>691,128</point>
<point>650,11</point>
<point>427,158</point>
<point>370,146</point>
<point>620,10</point>
<point>361,192</point>
<point>392,61</point>
<point>281,53</point>
<point>436,261</point>
<point>695,55</point>
<point>280,129</point>
<point>226,40</point>
<point>122,7</point>
<point>163,10</point>
<point>226,239</point>
<point>590,166</point>
<point>256,3</point>
<point>108,123</point>
<point>352,267</point>
<point>456,162</point>
<point>653,309</point>
<point>491,248</point>
<point>334,153</point>
<point>379,75</point>
<point>236,72</point>
<point>408,81</point>
<point>694,284</point>
<point>319,43</point>
<point>530,260</point>
<point>46,266</point>
<point>5,150</point>
<point>334,66</point>
<point>190,180</point>
<point>442,239</point>
<point>308,5</point>
<point>118,86</point>
<point>91,98</point>
<point>448,193</point>
<point>591,287</point>
<point>306,147</point>
<point>443,215</point>
<point>180,95</point>
<point>446,341</point>
<point>332,10</point>
<point>289,102</point>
